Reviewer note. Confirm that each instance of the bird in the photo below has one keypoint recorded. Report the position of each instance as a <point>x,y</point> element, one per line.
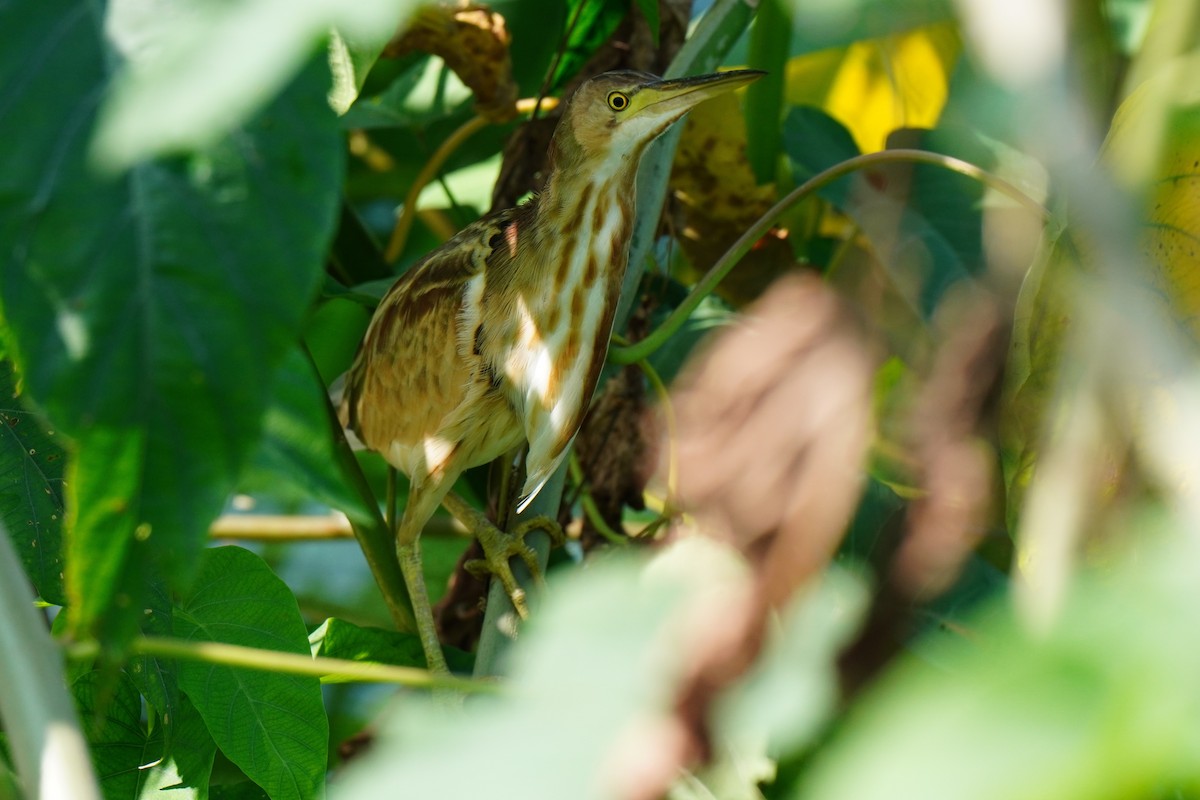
<point>497,337</point>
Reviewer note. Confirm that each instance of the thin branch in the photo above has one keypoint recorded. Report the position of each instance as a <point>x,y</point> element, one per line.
<point>329,670</point>
<point>644,347</point>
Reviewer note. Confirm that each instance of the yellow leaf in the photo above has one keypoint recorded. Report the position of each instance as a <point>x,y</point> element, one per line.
<point>875,86</point>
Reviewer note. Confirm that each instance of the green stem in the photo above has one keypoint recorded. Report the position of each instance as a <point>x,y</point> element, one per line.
<point>372,532</point>
<point>590,509</point>
<point>37,712</point>
<point>643,348</point>
<point>414,575</point>
<point>329,670</point>
<point>770,39</point>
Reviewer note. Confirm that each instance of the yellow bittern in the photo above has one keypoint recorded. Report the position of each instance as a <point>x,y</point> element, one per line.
<point>498,336</point>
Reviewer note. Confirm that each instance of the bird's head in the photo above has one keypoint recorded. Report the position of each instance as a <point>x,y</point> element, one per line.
<point>616,114</point>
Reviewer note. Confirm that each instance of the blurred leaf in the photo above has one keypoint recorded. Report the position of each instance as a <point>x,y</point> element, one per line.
<point>793,689</point>
<point>599,658</point>
<point>349,61</point>
<point>337,638</point>
<point>145,311</point>
<point>712,314</point>
<point>1040,324</point>
<point>335,327</point>
<point>271,725</point>
<point>1102,706</point>
<point>185,82</point>
<point>649,9</point>
<point>814,142</point>
<point>157,678</point>
<point>130,760</point>
<point>296,453</point>
<point>924,223</point>
<point>1153,149</point>
<point>31,488</point>
<point>591,23</point>
<point>875,86</point>
<point>244,790</point>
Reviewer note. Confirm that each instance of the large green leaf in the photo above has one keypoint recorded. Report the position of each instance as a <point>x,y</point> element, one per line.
<point>924,222</point>
<point>296,454</point>
<point>197,70</point>
<point>599,661</point>
<point>1153,152</point>
<point>146,310</point>
<point>129,758</point>
<point>271,725</point>
<point>31,488</point>
<point>1101,706</point>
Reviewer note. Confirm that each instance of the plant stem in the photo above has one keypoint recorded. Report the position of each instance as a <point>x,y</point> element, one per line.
<point>374,535</point>
<point>770,39</point>
<point>643,348</point>
<point>329,670</point>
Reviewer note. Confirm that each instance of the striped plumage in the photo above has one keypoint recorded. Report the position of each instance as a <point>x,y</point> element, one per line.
<point>498,336</point>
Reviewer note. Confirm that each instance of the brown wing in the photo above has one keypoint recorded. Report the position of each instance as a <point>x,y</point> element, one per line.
<point>416,375</point>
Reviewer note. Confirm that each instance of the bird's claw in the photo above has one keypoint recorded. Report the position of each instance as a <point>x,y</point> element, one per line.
<point>500,546</point>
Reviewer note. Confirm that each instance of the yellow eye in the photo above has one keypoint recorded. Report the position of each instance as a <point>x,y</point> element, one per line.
<point>618,101</point>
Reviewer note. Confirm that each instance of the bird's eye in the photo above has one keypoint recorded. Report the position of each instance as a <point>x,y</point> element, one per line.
<point>618,101</point>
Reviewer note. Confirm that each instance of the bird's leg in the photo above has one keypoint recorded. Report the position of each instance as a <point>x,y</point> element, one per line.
<point>500,546</point>
<point>414,577</point>
<point>408,551</point>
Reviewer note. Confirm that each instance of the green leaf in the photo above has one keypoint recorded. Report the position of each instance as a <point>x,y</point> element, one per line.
<point>336,638</point>
<point>1101,705</point>
<point>649,9</point>
<point>273,726</point>
<point>130,760</point>
<point>712,314</point>
<point>793,689</point>
<point>590,23</point>
<point>601,657</point>
<point>296,452</point>
<point>924,222</point>
<point>207,67</point>
<point>814,141</point>
<point>112,721</point>
<point>145,310</point>
<point>31,488</point>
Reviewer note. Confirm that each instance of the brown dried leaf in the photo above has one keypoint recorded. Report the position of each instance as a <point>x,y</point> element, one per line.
<point>473,41</point>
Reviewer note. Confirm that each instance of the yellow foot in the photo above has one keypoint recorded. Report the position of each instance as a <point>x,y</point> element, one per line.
<point>499,547</point>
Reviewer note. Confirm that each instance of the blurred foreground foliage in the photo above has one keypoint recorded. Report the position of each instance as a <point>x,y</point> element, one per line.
<point>935,434</point>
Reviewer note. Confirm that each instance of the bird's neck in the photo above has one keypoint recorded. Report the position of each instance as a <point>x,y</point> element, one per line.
<point>586,213</point>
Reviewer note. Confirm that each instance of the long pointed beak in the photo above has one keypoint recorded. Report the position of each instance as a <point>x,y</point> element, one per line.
<point>680,94</point>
